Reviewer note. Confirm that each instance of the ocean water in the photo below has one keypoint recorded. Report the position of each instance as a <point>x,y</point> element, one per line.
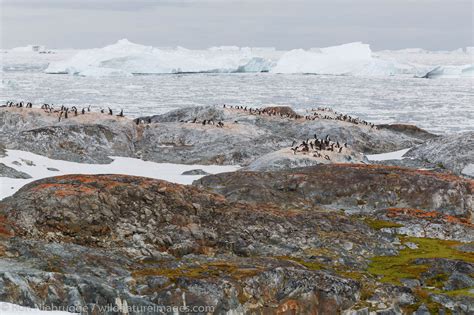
<point>438,105</point>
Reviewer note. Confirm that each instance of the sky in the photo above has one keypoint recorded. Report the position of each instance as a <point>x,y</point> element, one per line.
<point>384,24</point>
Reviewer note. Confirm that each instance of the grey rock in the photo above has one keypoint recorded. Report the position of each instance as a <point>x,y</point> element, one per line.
<point>6,171</point>
<point>422,310</point>
<point>171,137</point>
<point>195,172</point>
<point>285,159</point>
<point>454,152</point>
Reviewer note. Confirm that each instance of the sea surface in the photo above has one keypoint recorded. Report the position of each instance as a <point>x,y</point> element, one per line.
<point>438,105</point>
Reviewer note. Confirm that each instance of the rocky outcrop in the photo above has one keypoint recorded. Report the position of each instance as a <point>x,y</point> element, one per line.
<point>286,159</point>
<point>430,224</point>
<point>89,138</point>
<point>98,241</point>
<point>173,137</point>
<point>195,172</point>
<point>453,152</point>
<point>409,130</point>
<point>352,187</point>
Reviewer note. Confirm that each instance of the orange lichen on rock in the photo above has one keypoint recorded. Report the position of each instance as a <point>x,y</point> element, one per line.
<point>441,176</point>
<point>5,227</point>
<point>426,215</point>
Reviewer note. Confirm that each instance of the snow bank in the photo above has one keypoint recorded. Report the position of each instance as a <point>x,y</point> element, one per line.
<point>395,155</point>
<point>125,58</point>
<point>38,167</point>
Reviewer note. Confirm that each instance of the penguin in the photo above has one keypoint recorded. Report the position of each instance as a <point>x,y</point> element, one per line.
<point>340,149</point>
<point>83,111</point>
<point>101,110</point>
<point>110,112</point>
<point>121,113</point>
<point>89,108</point>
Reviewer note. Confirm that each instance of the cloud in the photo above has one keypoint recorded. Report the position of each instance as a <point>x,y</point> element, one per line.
<point>388,24</point>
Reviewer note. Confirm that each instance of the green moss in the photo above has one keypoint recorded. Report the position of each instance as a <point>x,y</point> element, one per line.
<point>460,292</point>
<point>437,281</point>
<point>380,224</point>
<point>210,270</point>
<point>393,268</point>
<point>312,265</point>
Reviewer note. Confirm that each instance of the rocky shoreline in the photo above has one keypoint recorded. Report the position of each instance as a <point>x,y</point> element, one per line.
<point>319,229</point>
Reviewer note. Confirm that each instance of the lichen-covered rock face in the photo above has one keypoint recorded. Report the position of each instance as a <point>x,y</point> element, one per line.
<point>351,187</point>
<point>454,152</point>
<point>169,238</point>
<point>180,137</point>
<point>96,240</point>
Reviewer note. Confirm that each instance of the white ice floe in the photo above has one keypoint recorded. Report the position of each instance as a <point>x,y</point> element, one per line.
<point>395,155</point>
<point>14,309</point>
<point>37,167</point>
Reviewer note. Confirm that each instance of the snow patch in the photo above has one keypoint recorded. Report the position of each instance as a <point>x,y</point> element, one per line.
<point>468,170</point>
<point>395,155</point>
<point>37,166</point>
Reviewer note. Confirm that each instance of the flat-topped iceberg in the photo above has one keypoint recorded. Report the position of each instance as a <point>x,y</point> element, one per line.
<point>132,58</point>
<point>348,59</point>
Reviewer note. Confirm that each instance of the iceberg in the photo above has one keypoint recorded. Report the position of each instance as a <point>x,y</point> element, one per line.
<point>466,71</point>
<point>29,48</point>
<point>137,59</point>
<point>348,59</point>
<point>125,58</point>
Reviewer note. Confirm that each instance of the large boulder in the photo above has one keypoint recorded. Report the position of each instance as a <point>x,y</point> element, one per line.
<point>454,152</point>
<point>352,187</point>
<point>286,159</point>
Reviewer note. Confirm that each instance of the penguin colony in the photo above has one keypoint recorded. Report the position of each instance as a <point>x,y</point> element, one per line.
<point>331,114</point>
<point>318,147</point>
<point>63,112</point>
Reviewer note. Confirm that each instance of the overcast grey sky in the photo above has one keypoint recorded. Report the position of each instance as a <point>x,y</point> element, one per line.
<point>385,24</point>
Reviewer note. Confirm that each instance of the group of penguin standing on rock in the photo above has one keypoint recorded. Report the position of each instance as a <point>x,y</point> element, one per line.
<point>263,111</point>
<point>316,147</point>
<point>63,112</point>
